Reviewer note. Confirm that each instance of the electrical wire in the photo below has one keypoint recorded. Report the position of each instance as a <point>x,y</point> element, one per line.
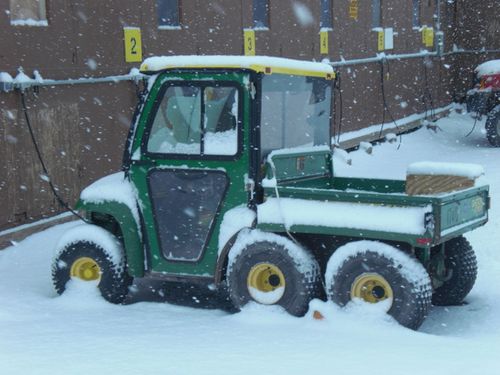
<point>428,95</point>
<point>384,100</point>
<point>338,86</point>
<point>42,163</point>
<point>280,209</point>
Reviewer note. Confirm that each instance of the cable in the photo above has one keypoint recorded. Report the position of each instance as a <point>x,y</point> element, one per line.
<point>386,107</point>
<point>338,86</point>
<point>278,198</point>
<point>44,168</point>
<point>428,95</point>
<point>473,127</point>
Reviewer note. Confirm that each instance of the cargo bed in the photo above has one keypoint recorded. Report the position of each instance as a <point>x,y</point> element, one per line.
<point>360,207</point>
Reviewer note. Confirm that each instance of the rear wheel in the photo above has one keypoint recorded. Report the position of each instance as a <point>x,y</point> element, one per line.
<point>378,273</point>
<point>273,273</point>
<point>461,261</point>
<point>493,127</point>
<point>91,262</point>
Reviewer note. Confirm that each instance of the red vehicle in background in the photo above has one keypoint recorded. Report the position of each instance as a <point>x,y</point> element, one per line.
<point>484,98</point>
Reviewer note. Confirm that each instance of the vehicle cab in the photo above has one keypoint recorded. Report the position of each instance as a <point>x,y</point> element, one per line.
<point>198,147</point>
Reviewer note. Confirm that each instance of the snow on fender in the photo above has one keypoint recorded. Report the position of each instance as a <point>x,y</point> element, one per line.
<point>302,259</point>
<point>91,254</point>
<point>93,234</point>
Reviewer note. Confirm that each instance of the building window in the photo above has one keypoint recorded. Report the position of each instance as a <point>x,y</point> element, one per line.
<point>261,14</point>
<point>168,14</point>
<point>416,13</point>
<point>376,13</point>
<point>326,14</point>
<point>28,13</point>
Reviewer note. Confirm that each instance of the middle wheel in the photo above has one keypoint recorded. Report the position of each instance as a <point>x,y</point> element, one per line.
<point>375,272</point>
<point>273,272</point>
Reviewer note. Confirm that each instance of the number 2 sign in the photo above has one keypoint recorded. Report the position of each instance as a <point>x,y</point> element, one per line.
<point>133,44</point>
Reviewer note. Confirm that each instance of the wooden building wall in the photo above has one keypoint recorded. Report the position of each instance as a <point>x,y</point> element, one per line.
<point>82,128</point>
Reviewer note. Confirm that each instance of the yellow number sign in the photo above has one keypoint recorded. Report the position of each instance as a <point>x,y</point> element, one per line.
<point>428,36</point>
<point>323,42</point>
<point>133,44</point>
<point>353,9</point>
<point>380,40</point>
<point>249,41</point>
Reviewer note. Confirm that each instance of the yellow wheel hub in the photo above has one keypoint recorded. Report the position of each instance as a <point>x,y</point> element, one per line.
<point>86,269</point>
<point>371,287</point>
<point>266,283</point>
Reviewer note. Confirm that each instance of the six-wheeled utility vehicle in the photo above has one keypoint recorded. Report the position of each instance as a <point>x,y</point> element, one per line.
<point>228,181</point>
<point>484,98</point>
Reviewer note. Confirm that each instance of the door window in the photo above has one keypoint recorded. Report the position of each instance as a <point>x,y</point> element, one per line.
<point>221,121</point>
<point>196,120</point>
<point>176,126</point>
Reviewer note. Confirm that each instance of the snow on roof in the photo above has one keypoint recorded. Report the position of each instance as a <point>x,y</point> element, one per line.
<point>471,171</point>
<point>261,64</point>
<point>488,68</point>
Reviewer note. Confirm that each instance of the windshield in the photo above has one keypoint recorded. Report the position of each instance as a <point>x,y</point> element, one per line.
<point>295,112</point>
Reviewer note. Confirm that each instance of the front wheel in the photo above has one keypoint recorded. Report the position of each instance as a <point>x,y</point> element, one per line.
<point>97,258</point>
<point>272,271</point>
<point>376,272</point>
<point>493,127</point>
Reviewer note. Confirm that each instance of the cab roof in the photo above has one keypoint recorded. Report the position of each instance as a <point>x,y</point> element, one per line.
<point>259,64</point>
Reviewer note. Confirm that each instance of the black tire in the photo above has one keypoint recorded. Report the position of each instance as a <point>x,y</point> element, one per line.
<point>114,279</point>
<point>493,127</point>
<point>461,261</point>
<point>395,273</point>
<point>299,269</point>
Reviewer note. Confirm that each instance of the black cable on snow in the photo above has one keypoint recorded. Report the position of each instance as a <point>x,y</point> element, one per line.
<point>473,126</point>
<point>42,163</point>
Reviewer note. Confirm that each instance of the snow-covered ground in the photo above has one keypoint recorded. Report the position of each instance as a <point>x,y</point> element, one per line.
<point>80,333</point>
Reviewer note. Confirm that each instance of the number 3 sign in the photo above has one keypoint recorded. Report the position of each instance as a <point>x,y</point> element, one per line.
<point>133,44</point>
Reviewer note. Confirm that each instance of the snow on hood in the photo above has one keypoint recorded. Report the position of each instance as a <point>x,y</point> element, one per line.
<point>488,68</point>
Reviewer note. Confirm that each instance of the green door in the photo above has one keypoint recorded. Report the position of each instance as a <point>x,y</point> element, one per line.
<point>190,159</point>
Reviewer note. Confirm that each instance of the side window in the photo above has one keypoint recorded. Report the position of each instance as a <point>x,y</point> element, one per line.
<point>176,126</point>
<point>28,13</point>
<point>260,14</point>
<point>416,13</point>
<point>376,13</point>
<point>221,121</point>
<point>196,120</point>
<point>326,14</point>
<point>168,14</point>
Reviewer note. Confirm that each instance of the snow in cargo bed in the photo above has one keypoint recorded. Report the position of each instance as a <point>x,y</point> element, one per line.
<point>80,333</point>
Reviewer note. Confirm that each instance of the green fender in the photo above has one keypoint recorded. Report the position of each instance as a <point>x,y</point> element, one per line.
<point>108,214</point>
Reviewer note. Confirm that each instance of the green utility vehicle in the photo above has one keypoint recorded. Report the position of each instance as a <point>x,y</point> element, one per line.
<point>228,181</point>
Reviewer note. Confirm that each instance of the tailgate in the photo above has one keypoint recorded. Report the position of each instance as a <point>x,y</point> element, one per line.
<point>462,212</point>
